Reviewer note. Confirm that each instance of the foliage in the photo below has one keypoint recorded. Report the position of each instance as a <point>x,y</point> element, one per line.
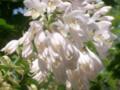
<point>11,25</point>
<point>109,78</point>
<point>14,74</point>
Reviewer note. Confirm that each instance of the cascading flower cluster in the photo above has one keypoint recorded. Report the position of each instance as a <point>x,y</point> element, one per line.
<point>57,37</point>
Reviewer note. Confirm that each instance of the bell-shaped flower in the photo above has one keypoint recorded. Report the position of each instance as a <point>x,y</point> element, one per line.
<point>35,8</point>
<point>58,69</point>
<point>57,5</point>
<point>77,79</point>
<point>41,41</point>
<point>97,63</point>
<point>71,55</point>
<point>11,47</point>
<point>101,12</point>
<point>89,63</point>
<point>39,70</point>
<point>57,42</point>
<point>27,50</point>
<point>107,18</point>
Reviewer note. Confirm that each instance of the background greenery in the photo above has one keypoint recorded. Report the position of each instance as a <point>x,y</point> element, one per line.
<point>14,71</point>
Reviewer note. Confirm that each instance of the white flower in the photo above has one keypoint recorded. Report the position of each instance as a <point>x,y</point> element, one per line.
<point>107,18</point>
<point>103,38</point>
<point>40,76</point>
<point>57,4</point>
<point>89,63</point>
<point>36,8</point>
<point>71,56</point>
<point>39,70</point>
<point>76,3</point>
<point>101,12</point>
<point>57,40</point>
<point>58,70</point>
<point>78,79</point>
<point>23,39</point>
<point>11,47</point>
<point>97,63</point>
<point>35,66</point>
<point>40,41</point>
<point>27,50</point>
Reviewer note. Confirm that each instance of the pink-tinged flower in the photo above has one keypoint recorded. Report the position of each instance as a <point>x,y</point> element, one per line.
<point>56,40</point>
<point>89,63</point>
<point>27,50</point>
<point>36,8</point>
<point>41,41</point>
<point>11,47</point>
<point>39,70</point>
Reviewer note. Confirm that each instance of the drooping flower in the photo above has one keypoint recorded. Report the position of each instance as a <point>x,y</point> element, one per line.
<point>10,47</point>
<point>37,8</point>
<point>56,40</point>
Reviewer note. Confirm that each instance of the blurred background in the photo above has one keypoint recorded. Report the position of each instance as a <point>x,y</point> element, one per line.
<point>13,24</point>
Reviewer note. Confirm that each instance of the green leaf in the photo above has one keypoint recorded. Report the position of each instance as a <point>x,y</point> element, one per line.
<point>3,24</point>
